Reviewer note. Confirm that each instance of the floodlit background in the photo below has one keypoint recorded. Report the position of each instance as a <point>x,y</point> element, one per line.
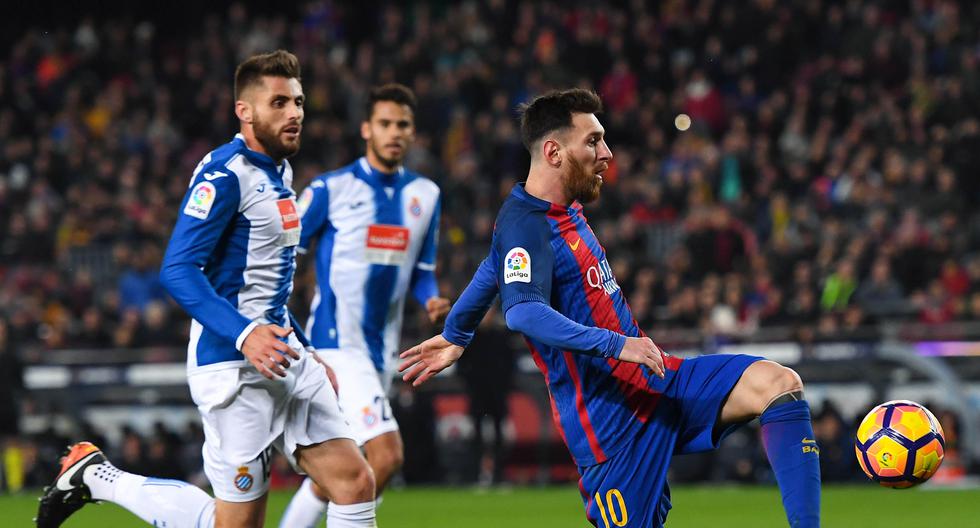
<point>820,211</point>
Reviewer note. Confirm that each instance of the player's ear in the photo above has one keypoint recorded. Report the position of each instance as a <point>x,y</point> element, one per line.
<point>366,130</point>
<point>551,151</point>
<point>244,111</point>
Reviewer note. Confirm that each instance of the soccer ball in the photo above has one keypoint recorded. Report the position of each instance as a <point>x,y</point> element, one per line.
<point>899,444</point>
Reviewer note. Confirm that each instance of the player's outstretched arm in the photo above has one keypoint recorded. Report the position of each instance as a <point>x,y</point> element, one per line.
<point>266,352</point>
<point>427,359</point>
<point>543,323</point>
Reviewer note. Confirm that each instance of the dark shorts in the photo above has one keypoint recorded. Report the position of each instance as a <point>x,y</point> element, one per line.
<point>630,488</point>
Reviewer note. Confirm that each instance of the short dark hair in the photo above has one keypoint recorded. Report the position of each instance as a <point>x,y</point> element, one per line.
<point>279,63</point>
<point>553,111</point>
<point>394,92</point>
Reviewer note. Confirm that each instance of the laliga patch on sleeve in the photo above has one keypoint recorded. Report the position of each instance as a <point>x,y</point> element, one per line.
<point>305,199</point>
<point>201,200</point>
<point>517,266</point>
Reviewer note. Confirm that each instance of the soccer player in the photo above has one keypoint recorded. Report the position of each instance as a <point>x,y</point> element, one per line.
<point>376,229</point>
<point>230,265</point>
<point>622,406</point>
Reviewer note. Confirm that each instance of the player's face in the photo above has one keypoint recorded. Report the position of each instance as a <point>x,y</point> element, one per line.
<point>588,157</point>
<point>277,116</point>
<point>388,133</point>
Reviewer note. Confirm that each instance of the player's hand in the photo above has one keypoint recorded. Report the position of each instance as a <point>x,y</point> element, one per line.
<point>427,359</point>
<point>266,352</point>
<point>330,373</point>
<point>437,308</point>
<point>642,350</point>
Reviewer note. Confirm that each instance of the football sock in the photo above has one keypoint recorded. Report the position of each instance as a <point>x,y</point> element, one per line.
<point>360,515</point>
<point>305,510</point>
<point>160,502</point>
<point>793,453</point>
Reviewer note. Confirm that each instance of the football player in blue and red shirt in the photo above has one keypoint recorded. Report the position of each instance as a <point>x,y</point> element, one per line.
<point>623,407</point>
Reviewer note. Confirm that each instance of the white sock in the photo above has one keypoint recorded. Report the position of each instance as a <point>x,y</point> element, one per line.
<point>360,515</point>
<point>305,510</point>
<point>160,502</point>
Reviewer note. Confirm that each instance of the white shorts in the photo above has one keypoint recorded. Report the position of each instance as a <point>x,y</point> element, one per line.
<point>363,393</point>
<point>245,415</point>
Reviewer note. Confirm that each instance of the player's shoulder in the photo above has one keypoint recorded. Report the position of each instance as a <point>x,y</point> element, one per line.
<point>517,220</point>
<point>223,165</point>
<point>322,180</point>
<point>421,183</point>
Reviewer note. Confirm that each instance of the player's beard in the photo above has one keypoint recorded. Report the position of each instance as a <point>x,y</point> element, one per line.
<point>271,140</point>
<point>580,184</point>
<point>390,163</point>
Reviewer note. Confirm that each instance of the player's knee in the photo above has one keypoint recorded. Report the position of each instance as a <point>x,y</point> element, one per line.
<point>782,380</point>
<point>772,380</point>
<point>354,486</point>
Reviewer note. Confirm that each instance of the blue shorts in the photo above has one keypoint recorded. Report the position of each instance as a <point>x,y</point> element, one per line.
<point>630,488</point>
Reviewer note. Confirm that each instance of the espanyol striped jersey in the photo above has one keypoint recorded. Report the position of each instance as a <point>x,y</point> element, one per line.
<point>232,254</point>
<point>376,236</point>
<point>547,253</point>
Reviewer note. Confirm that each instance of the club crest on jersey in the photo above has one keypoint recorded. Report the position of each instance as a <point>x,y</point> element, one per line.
<point>201,199</point>
<point>415,207</point>
<point>243,480</point>
<point>517,266</point>
<point>370,417</point>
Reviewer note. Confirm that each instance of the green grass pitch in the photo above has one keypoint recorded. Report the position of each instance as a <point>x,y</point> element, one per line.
<point>859,506</point>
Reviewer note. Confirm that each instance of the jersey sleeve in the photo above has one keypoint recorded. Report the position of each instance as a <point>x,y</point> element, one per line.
<point>545,324</point>
<point>472,305</point>
<point>207,209</point>
<point>314,210</point>
<point>524,261</point>
<point>424,285</point>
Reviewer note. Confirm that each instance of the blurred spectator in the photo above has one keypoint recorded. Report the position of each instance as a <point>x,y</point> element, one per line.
<point>837,461</point>
<point>487,369</point>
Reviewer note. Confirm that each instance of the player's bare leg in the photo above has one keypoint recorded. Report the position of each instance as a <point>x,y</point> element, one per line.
<point>245,514</point>
<point>385,454</point>
<point>345,478</point>
<point>760,384</point>
<point>774,393</point>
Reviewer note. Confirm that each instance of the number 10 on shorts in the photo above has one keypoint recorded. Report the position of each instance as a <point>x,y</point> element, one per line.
<point>615,505</point>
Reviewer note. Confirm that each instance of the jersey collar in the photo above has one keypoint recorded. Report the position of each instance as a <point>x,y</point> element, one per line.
<point>261,160</point>
<point>521,193</point>
<point>384,178</point>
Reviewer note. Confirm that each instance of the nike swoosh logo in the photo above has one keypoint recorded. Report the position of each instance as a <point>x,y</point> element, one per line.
<point>808,441</point>
<point>64,481</point>
<point>575,245</point>
<point>211,177</point>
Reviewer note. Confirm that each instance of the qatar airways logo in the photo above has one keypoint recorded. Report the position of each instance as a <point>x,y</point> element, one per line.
<point>601,276</point>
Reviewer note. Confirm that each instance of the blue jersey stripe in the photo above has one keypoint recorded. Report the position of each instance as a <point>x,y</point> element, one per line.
<point>287,265</point>
<point>382,278</point>
<point>225,270</point>
<point>324,332</point>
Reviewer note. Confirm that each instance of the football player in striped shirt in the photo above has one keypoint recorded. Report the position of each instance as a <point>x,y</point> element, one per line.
<point>375,226</point>
<point>256,383</point>
<point>623,407</point>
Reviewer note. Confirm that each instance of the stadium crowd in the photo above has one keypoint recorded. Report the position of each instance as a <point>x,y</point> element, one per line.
<point>825,185</point>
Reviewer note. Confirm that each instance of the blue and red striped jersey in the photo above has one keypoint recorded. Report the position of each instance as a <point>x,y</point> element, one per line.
<point>548,253</point>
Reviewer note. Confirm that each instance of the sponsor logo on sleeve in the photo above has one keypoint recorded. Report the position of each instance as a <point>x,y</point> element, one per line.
<point>517,266</point>
<point>201,199</point>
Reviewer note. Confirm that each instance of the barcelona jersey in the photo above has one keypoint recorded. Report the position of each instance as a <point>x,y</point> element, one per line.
<point>543,252</point>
